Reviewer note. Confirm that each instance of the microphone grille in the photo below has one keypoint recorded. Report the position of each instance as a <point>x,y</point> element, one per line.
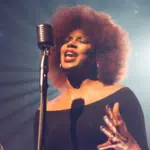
<point>45,36</point>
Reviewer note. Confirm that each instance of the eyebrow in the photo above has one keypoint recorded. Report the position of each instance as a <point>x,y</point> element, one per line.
<point>79,37</point>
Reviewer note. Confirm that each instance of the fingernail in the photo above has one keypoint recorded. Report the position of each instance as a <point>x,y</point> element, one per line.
<point>102,127</point>
<point>106,118</point>
<point>109,107</point>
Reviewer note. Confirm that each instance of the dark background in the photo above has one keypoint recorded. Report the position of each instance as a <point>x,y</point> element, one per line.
<point>20,57</point>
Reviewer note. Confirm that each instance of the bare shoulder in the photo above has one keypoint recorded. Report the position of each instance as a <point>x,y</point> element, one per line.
<point>108,90</point>
<point>115,88</point>
<point>52,103</point>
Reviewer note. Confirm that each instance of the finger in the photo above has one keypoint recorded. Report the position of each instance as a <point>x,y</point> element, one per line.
<point>112,114</point>
<point>111,136</point>
<point>106,131</point>
<point>109,111</point>
<point>117,146</point>
<point>112,132</point>
<point>104,145</point>
<point>118,118</point>
<point>110,124</point>
<point>116,114</point>
<point>1,147</point>
<point>116,110</point>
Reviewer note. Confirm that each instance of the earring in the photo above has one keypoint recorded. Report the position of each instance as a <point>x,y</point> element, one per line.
<point>97,65</point>
<point>60,65</point>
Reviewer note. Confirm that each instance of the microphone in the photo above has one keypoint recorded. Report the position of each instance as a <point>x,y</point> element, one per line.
<point>45,36</point>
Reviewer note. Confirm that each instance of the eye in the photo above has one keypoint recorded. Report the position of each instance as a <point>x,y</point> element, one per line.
<point>67,39</point>
<point>85,41</point>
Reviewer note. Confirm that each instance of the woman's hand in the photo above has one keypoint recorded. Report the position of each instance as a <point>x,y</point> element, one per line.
<point>1,147</point>
<point>118,136</point>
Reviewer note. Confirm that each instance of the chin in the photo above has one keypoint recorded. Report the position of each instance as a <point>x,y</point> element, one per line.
<point>67,68</point>
<point>70,68</point>
<point>69,65</point>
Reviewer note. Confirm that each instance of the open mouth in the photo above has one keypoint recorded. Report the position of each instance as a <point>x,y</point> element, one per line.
<point>70,56</point>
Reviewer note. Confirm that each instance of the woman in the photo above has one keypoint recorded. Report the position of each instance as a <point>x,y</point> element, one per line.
<point>89,59</point>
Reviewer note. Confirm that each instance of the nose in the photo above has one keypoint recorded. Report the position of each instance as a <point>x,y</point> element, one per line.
<point>72,44</point>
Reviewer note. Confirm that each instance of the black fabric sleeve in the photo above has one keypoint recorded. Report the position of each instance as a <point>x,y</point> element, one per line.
<point>132,114</point>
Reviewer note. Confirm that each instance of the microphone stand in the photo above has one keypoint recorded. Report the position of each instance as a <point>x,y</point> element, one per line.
<point>43,97</point>
<point>45,43</point>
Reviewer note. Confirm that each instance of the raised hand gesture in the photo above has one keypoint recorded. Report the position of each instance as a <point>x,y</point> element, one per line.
<point>116,130</point>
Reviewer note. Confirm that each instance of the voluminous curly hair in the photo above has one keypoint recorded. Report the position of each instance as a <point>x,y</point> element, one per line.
<point>111,43</point>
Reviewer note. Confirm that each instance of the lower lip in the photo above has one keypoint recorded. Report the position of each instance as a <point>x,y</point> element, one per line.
<point>69,59</point>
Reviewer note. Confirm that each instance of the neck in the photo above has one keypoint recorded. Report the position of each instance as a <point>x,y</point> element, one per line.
<point>78,81</point>
<point>79,77</point>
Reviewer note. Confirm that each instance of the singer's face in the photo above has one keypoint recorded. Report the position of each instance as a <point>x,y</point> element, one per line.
<point>74,51</point>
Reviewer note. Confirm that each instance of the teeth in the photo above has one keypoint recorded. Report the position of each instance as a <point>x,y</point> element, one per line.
<point>70,54</point>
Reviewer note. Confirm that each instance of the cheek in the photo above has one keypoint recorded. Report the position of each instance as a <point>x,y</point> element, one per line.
<point>82,57</point>
<point>61,57</point>
<point>85,52</point>
<point>62,48</point>
<point>61,51</point>
<point>87,55</point>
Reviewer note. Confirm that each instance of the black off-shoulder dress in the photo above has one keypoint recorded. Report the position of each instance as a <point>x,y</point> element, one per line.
<point>78,128</point>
